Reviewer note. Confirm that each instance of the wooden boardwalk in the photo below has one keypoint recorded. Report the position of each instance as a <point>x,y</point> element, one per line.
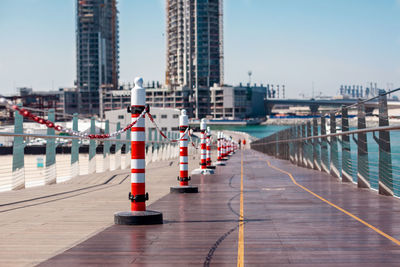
<point>304,219</point>
<point>40,222</point>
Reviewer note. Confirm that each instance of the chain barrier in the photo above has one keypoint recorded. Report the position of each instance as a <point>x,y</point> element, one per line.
<point>25,113</point>
<point>163,134</point>
<point>191,141</point>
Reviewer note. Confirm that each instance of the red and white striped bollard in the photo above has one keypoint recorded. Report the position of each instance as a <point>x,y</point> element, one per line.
<point>203,145</point>
<point>203,151</point>
<point>208,147</point>
<point>138,195</point>
<point>219,148</point>
<point>183,177</point>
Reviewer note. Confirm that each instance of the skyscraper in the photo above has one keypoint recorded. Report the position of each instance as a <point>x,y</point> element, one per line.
<point>96,52</point>
<point>194,45</point>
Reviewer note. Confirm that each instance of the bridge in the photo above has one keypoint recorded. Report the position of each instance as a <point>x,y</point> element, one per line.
<point>300,197</point>
<point>314,104</point>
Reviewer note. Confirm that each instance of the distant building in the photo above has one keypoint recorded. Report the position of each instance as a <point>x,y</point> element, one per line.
<point>69,99</point>
<point>218,102</point>
<point>357,91</point>
<point>96,52</point>
<point>179,98</point>
<point>237,102</point>
<point>166,118</point>
<point>40,100</point>
<point>195,48</point>
<point>63,101</point>
<point>156,97</point>
<point>116,99</point>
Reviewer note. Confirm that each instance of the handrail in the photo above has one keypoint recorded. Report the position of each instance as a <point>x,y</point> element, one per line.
<point>367,130</point>
<point>44,136</point>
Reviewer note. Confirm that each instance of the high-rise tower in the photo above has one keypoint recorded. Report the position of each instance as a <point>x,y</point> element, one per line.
<point>96,51</point>
<point>194,43</point>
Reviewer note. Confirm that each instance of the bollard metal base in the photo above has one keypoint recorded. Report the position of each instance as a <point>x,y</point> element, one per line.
<point>184,189</point>
<point>220,163</point>
<point>138,217</point>
<point>203,171</point>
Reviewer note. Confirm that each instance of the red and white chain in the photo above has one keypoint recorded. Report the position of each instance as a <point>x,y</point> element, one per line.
<point>24,112</point>
<point>191,141</point>
<point>163,134</point>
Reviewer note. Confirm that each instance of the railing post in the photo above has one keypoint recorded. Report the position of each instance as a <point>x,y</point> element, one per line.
<point>334,166</point>
<point>291,145</point>
<point>127,149</point>
<point>324,147</point>
<point>347,166</point>
<point>281,145</point>
<point>310,152</point>
<point>362,150</point>
<point>287,145</point>
<point>276,151</point>
<point>92,148</point>
<point>106,148</point>
<point>304,145</point>
<point>294,145</point>
<point>316,147</point>
<point>156,147</point>
<point>50,170</point>
<point>149,135</point>
<point>299,146</point>
<point>385,156</point>
<point>18,173</point>
<point>75,149</point>
<point>267,148</point>
<point>118,148</point>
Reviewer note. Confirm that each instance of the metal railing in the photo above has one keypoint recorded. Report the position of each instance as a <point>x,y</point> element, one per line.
<point>363,156</point>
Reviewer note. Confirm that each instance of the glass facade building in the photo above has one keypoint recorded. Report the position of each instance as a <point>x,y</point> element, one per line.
<point>96,52</point>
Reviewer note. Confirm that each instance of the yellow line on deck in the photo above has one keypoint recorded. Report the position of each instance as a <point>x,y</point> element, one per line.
<point>394,240</point>
<point>240,258</point>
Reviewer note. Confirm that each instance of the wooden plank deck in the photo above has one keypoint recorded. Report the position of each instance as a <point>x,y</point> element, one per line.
<point>284,225</point>
<point>40,222</point>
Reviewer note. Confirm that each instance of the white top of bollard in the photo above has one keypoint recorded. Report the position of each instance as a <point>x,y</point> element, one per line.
<point>203,124</point>
<point>183,118</point>
<point>138,93</point>
<point>138,82</point>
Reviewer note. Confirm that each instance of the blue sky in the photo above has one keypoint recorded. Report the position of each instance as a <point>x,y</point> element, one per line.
<point>292,42</point>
